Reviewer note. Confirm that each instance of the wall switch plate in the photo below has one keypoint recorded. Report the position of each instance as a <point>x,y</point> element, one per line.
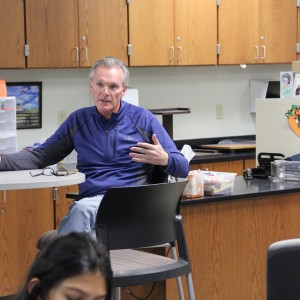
<point>61,116</point>
<point>219,111</point>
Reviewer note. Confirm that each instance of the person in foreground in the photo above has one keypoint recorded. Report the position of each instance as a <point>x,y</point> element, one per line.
<point>71,267</point>
<point>117,144</point>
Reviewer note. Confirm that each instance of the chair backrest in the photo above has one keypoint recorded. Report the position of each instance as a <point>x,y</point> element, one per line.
<point>140,216</point>
<point>283,270</point>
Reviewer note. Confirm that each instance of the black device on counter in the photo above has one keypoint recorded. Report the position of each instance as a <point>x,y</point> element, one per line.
<point>264,165</point>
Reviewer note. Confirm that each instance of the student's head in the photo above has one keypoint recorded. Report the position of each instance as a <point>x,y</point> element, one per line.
<point>109,79</point>
<point>70,267</point>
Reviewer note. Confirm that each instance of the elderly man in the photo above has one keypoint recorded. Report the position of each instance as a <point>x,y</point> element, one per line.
<point>117,145</point>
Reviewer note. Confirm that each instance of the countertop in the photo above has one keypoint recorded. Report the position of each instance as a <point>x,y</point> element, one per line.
<point>248,189</point>
<point>223,155</point>
<point>237,155</point>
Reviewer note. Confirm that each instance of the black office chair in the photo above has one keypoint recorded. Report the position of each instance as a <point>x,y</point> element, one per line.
<point>283,270</point>
<point>131,218</point>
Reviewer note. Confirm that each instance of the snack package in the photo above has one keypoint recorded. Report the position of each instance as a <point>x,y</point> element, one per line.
<point>195,186</point>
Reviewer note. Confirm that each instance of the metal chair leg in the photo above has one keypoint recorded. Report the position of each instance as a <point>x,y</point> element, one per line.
<point>117,293</point>
<point>190,286</point>
<point>178,279</point>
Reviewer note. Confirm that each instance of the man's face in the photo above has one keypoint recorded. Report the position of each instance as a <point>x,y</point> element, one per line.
<point>107,90</point>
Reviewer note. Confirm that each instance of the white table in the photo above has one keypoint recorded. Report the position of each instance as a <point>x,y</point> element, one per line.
<point>19,180</point>
<point>22,180</point>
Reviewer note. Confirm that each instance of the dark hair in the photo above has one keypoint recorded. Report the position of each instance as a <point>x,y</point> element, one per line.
<point>287,76</point>
<point>65,257</point>
<point>110,62</point>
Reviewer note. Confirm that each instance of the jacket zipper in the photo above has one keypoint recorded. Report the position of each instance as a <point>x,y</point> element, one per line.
<point>115,143</point>
<point>106,147</point>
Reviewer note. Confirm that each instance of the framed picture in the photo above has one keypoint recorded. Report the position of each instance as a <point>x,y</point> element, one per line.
<point>29,103</point>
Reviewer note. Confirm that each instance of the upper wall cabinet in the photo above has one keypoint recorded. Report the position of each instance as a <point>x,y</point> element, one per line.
<point>12,34</point>
<point>257,31</point>
<point>172,32</point>
<point>75,33</point>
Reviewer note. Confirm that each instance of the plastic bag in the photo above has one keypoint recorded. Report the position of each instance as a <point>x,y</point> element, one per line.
<point>195,186</point>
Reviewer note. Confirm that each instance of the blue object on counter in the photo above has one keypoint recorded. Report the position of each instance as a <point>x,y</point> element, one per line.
<point>295,157</point>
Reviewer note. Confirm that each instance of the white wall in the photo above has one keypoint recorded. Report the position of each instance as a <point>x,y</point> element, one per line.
<point>199,88</point>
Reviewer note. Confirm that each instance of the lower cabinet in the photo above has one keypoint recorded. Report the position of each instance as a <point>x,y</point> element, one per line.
<point>62,203</point>
<point>235,166</point>
<point>24,216</point>
<point>228,243</point>
<point>250,163</point>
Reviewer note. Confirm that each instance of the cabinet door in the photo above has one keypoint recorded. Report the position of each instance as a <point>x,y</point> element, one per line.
<point>12,34</point>
<point>278,31</point>
<point>235,166</point>
<point>52,33</point>
<point>24,216</point>
<point>250,163</point>
<point>151,32</point>
<point>103,30</point>
<point>195,32</point>
<point>62,203</point>
<point>238,32</point>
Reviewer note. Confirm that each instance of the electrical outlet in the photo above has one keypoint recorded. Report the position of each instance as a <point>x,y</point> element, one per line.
<point>219,111</point>
<point>61,116</point>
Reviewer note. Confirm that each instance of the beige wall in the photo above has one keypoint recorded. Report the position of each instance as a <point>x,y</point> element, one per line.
<point>199,88</point>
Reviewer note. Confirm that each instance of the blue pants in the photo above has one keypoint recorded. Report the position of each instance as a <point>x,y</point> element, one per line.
<point>81,216</point>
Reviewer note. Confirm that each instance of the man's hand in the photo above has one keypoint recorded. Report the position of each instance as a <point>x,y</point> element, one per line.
<point>150,154</point>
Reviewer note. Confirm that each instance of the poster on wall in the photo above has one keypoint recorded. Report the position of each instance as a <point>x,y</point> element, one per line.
<point>286,85</point>
<point>29,103</point>
<point>296,90</point>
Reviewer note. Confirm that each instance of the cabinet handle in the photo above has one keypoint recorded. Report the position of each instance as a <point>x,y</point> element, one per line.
<point>256,51</point>
<point>179,56</point>
<point>264,52</point>
<point>86,53</point>
<point>77,54</point>
<point>172,54</point>
<point>3,204</point>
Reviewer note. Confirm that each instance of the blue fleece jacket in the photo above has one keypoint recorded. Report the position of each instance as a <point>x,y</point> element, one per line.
<point>103,148</point>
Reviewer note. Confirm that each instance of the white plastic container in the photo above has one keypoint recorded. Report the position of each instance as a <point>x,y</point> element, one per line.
<point>8,127</point>
<point>218,183</point>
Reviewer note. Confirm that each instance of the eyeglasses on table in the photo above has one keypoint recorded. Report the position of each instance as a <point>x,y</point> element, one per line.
<point>52,172</point>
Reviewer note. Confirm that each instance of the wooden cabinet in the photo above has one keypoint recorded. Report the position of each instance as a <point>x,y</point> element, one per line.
<point>228,242</point>
<point>172,32</point>
<point>257,31</point>
<point>12,34</point>
<point>250,163</point>
<point>24,216</point>
<point>75,33</point>
<point>62,203</point>
<point>236,166</point>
